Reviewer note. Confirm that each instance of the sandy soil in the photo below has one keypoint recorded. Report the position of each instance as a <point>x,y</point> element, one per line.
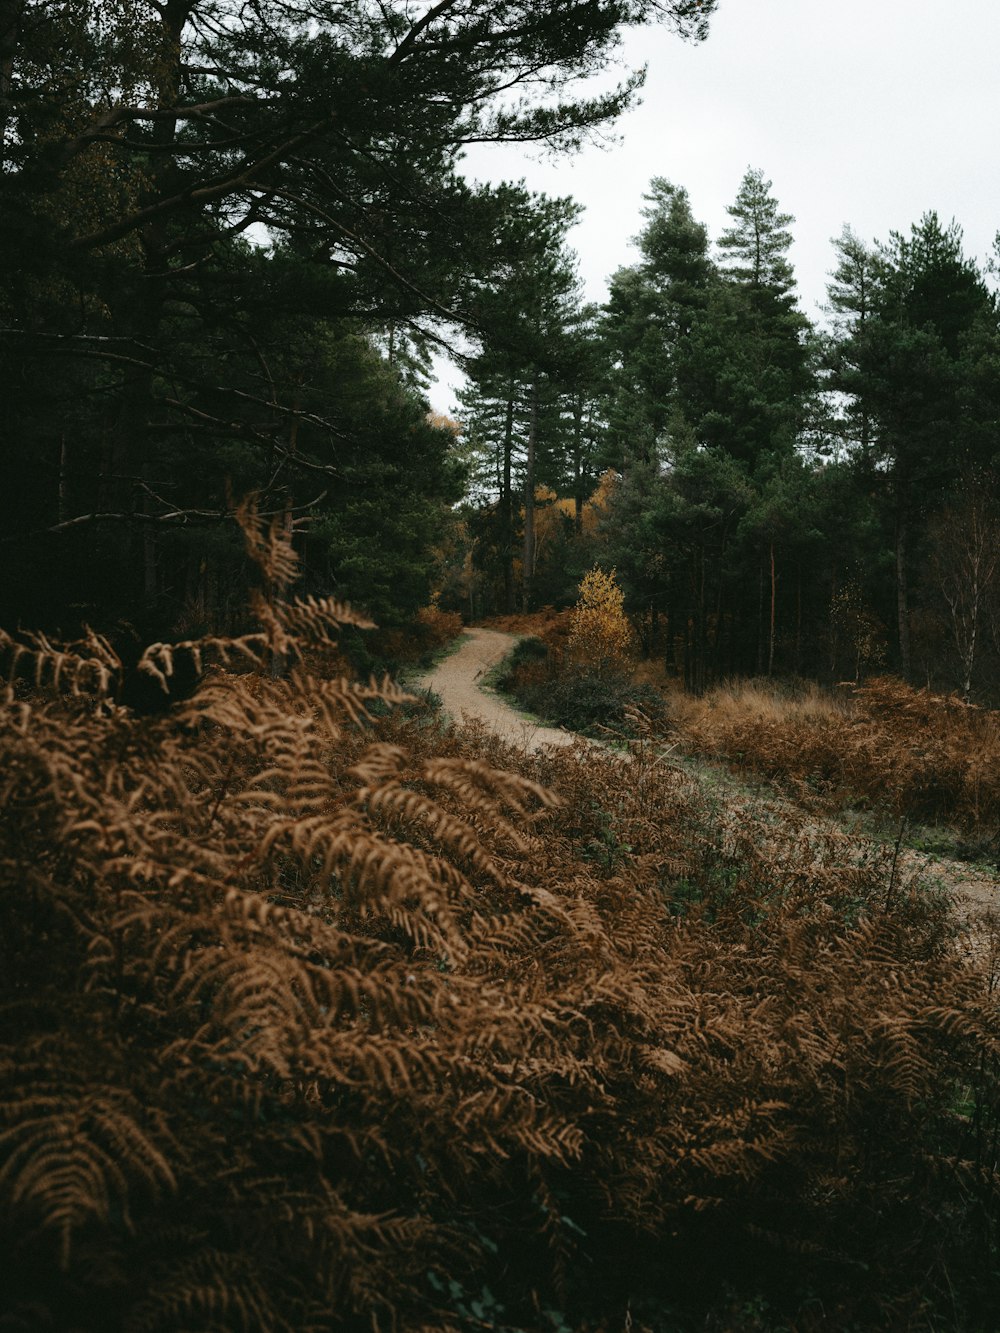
<point>459,682</point>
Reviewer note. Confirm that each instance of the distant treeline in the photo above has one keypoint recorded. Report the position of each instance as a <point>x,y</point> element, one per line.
<point>230,237</point>
<point>781,498</point>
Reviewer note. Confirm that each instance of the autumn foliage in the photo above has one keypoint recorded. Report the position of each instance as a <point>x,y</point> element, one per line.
<point>313,1022</point>
<point>601,638</point>
<point>907,752</point>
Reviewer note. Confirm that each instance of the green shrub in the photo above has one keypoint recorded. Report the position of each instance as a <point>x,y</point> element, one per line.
<point>531,649</point>
<point>589,703</point>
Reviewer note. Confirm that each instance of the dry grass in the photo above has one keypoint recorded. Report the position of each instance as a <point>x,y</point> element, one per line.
<point>548,624</point>
<point>902,751</point>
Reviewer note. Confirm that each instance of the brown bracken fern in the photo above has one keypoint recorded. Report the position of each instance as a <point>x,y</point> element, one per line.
<point>312,1019</point>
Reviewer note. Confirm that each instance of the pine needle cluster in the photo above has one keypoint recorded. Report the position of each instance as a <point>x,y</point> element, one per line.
<point>313,1022</point>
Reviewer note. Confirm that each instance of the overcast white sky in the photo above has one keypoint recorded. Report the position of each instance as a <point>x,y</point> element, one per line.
<point>869,112</point>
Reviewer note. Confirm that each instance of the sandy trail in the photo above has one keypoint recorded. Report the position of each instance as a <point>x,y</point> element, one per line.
<point>459,682</point>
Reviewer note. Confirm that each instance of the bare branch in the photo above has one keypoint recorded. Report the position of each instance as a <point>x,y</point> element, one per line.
<point>196,194</point>
<point>451,315</point>
<point>174,518</point>
<point>409,41</point>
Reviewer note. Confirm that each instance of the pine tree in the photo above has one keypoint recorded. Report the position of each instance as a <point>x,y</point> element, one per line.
<point>754,249</point>
<point>853,293</point>
<point>144,146</point>
<point>515,408</point>
<point>756,336</point>
<point>651,310</point>
<point>910,372</point>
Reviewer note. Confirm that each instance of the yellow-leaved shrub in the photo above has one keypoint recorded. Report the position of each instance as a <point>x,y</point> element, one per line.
<point>601,638</point>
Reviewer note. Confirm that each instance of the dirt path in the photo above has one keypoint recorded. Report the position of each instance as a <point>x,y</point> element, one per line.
<point>459,682</point>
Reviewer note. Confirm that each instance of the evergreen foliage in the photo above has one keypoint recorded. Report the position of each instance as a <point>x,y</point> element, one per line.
<point>208,210</point>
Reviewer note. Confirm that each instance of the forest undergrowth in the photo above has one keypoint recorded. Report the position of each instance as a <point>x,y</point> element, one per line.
<point>316,1020</point>
<point>883,747</point>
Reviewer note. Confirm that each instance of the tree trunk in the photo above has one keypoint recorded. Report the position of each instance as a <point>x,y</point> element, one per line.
<point>528,571</point>
<point>63,505</point>
<point>717,637</point>
<point>669,648</point>
<point>770,642</point>
<point>701,637</point>
<point>760,616</point>
<point>140,316</point>
<point>578,496</point>
<point>507,511</point>
<point>902,592</point>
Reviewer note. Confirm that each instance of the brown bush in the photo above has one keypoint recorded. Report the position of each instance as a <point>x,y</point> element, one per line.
<point>439,626</point>
<point>430,630</point>
<point>905,751</point>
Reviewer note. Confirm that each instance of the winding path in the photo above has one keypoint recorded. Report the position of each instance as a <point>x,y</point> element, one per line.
<point>459,682</point>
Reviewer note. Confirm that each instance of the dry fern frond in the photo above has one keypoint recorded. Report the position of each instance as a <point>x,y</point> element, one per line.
<point>212,1289</point>
<point>295,1012</point>
<point>268,545</point>
<point>68,1159</point>
<point>308,619</point>
<point>160,660</point>
<point>90,666</point>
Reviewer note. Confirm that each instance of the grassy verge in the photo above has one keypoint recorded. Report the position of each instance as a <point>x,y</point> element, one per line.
<point>888,761</point>
<point>413,670</point>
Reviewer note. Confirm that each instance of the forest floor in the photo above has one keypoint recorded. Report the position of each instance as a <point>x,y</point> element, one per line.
<point>460,680</point>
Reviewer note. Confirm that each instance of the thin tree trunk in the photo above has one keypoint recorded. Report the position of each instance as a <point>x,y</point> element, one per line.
<point>717,637</point>
<point>279,663</point>
<point>528,571</point>
<point>63,504</point>
<point>760,615</point>
<point>577,467</point>
<point>902,593</point>
<point>701,639</point>
<point>141,315</point>
<point>770,645</point>
<point>507,511</point>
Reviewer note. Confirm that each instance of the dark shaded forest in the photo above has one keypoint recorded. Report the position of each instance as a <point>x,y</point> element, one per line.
<point>777,498</point>
<point>317,1012</point>
<point>232,240</point>
<point>229,235</point>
